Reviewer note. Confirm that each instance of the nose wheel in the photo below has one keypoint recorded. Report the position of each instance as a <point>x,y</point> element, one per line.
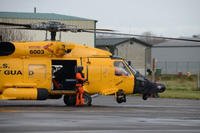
<point>145,96</point>
<point>120,96</point>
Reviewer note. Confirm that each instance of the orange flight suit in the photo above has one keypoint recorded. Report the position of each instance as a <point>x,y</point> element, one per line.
<point>79,89</point>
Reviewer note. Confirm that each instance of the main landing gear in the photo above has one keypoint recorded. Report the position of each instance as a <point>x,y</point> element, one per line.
<point>70,100</point>
<point>120,96</point>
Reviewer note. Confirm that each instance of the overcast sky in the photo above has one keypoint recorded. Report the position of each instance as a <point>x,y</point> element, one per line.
<point>172,18</point>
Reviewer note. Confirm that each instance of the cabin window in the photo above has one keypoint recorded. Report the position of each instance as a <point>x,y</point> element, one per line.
<point>121,69</point>
<point>37,71</point>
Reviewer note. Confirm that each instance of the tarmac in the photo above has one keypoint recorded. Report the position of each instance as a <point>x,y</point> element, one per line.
<point>155,115</point>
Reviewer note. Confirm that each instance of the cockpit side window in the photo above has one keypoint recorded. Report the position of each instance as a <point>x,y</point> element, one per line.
<point>121,69</point>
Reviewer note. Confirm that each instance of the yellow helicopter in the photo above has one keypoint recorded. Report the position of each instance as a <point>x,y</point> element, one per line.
<point>32,70</point>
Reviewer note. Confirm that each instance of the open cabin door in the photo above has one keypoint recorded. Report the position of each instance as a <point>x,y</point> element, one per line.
<point>64,74</point>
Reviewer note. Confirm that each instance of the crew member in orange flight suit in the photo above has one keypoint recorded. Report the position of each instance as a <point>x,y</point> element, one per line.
<point>79,86</point>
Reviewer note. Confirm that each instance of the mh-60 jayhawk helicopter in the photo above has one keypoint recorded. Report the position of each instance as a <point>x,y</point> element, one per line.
<point>31,70</point>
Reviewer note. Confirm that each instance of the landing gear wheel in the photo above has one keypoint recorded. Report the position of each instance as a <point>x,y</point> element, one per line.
<point>120,96</point>
<point>70,100</point>
<point>87,99</point>
<point>145,96</point>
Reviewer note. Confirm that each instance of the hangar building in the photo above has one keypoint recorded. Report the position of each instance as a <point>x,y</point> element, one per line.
<point>177,56</point>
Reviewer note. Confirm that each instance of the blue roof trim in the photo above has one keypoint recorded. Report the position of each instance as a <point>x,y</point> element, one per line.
<point>42,16</point>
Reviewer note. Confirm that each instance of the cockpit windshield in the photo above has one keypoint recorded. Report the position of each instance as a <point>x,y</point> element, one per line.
<point>131,68</point>
<point>121,69</point>
<point>134,71</point>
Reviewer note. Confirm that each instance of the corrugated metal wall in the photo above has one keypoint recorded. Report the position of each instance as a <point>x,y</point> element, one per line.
<point>172,60</point>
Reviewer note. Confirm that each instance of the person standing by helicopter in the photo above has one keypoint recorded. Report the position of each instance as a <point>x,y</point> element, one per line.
<point>79,86</point>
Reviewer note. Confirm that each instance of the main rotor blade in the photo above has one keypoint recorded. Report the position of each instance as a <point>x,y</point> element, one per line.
<point>102,30</point>
<point>9,28</point>
<point>135,35</point>
<point>13,24</point>
<point>19,28</point>
<point>52,26</point>
<point>57,26</point>
<point>83,30</point>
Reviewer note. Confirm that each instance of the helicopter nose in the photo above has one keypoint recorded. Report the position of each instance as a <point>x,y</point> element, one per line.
<point>153,88</point>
